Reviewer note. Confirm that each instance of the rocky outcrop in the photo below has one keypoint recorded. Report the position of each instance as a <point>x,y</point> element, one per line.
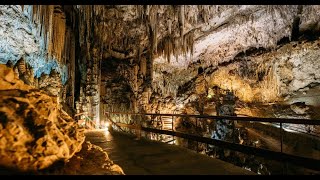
<point>34,131</point>
<point>29,34</point>
<point>50,83</point>
<point>37,40</point>
<point>299,108</point>
<point>91,160</point>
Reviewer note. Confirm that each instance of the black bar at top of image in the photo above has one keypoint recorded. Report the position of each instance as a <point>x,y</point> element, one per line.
<point>166,2</point>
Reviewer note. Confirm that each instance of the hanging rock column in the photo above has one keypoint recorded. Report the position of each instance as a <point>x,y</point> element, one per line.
<point>224,128</point>
<point>93,86</point>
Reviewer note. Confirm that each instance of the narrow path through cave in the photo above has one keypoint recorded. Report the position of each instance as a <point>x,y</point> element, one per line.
<point>144,157</point>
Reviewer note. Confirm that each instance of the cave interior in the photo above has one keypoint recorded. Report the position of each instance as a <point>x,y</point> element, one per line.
<point>62,66</point>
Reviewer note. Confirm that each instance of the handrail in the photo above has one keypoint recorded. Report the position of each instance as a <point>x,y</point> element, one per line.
<point>78,114</point>
<point>280,156</point>
<point>298,160</point>
<point>87,118</point>
<point>90,122</point>
<point>110,119</point>
<point>253,119</point>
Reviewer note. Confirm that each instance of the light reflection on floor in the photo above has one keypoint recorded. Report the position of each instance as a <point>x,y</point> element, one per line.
<point>106,133</point>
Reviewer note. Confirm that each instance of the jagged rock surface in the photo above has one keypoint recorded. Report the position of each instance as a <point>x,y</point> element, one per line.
<point>34,131</point>
<point>91,160</point>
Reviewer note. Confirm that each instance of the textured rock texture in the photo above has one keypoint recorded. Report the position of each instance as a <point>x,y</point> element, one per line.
<point>91,160</point>
<point>34,131</point>
<point>24,36</point>
<point>37,41</point>
<point>167,58</point>
<point>244,49</point>
<point>160,50</point>
<point>176,59</point>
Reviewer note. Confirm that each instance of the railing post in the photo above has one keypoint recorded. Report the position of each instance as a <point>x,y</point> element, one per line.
<point>119,119</point>
<point>281,136</point>
<point>140,124</point>
<point>172,123</point>
<point>233,132</point>
<point>197,134</point>
<point>172,128</point>
<point>160,128</point>
<point>196,124</point>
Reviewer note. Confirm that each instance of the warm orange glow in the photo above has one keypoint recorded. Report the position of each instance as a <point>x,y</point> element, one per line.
<point>107,125</point>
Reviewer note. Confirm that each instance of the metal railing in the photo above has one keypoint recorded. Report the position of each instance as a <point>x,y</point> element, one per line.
<point>88,121</point>
<point>306,162</point>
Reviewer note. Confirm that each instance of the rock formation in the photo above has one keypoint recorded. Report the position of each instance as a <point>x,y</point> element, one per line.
<point>91,160</point>
<point>34,131</point>
<point>167,59</point>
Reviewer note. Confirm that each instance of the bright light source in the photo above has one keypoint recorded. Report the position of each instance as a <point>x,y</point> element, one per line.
<point>106,128</point>
<point>106,132</point>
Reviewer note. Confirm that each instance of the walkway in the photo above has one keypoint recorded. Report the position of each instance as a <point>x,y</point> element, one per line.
<point>144,157</point>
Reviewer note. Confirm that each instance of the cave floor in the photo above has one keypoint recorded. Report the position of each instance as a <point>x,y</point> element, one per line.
<point>145,157</point>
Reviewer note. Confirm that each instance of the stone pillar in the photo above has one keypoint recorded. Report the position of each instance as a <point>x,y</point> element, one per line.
<point>92,86</point>
<point>224,128</point>
<point>96,86</point>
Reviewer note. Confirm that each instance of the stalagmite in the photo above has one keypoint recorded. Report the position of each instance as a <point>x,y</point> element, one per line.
<point>143,66</point>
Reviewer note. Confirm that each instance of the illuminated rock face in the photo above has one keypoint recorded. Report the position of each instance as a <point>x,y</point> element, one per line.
<point>258,52</point>
<point>152,46</point>
<point>25,37</point>
<point>167,59</point>
<point>224,128</point>
<point>91,160</point>
<point>34,131</point>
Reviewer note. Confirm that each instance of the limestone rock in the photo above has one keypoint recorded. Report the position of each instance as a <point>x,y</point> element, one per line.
<point>91,160</point>
<point>34,133</point>
<point>9,80</point>
<point>51,83</point>
<point>299,107</point>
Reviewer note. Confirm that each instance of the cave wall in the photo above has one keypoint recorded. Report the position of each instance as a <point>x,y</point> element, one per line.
<point>165,56</point>
<point>266,55</point>
<point>239,48</point>
<point>55,48</point>
<point>193,56</point>
<point>40,45</point>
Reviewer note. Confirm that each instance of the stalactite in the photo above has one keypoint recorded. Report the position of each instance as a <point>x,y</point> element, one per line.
<point>152,15</point>
<point>181,19</point>
<point>169,26</point>
<point>50,28</point>
<point>43,29</point>
<point>147,9</point>
<point>155,36</point>
<point>135,76</point>
<point>143,66</point>
<point>188,43</point>
<point>58,33</point>
<point>139,11</point>
<point>205,12</point>
<point>173,46</point>
<point>22,66</point>
<point>269,81</point>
